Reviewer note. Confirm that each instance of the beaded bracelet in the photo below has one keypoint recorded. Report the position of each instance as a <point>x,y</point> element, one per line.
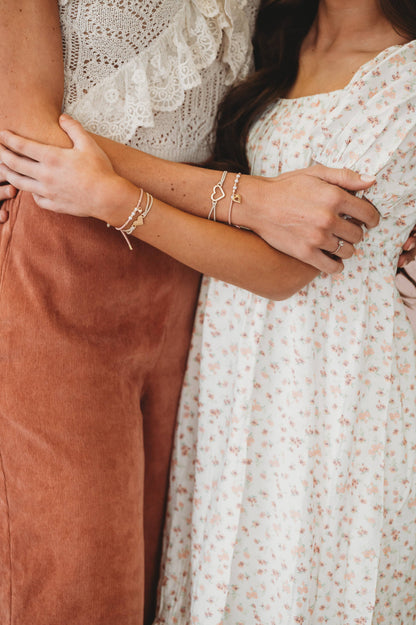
<point>132,215</point>
<point>139,220</point>
<point>235,198</point>
<point>136,217</point>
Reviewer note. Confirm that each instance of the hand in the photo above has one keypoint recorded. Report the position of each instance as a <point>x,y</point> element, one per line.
<point>79,181</point>
<point>305,213</point>
<point>409,250</point>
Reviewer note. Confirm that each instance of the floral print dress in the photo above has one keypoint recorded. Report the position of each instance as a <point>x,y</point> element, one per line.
<point>293,487</point>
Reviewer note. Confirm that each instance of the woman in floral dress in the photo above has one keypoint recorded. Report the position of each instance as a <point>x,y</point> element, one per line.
<point>293,488</point>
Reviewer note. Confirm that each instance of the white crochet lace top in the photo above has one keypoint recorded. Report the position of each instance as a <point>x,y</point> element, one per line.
<point>152,72</point>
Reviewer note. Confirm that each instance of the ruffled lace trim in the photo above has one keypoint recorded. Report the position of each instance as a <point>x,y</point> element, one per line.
<point>157,79</point>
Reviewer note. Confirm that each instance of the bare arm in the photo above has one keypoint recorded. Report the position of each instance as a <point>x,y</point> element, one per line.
<point>235,256</point>
<point>31,104</point>
<point>81,181</point>
<point>31,72</point>
<point>31,69</point>
<point>299,213</point>
<point>282,212</point>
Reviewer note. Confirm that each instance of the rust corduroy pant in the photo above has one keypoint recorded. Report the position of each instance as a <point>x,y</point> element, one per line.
<point>93,345</point>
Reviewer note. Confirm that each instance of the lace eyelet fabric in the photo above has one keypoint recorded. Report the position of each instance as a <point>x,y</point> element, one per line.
<point>160,65</point>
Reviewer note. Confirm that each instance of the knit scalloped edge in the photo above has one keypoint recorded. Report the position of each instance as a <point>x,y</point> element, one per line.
<point>157,79</point>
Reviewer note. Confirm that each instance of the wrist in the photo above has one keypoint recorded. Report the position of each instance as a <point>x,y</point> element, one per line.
<point>237,212</point>
<point>116,199</point>
<point>247,214</point>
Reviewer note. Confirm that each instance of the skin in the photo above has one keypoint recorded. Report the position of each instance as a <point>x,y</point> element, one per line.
<point>325,67</point>
<point>295,232</point>
<point>326,64</point>
<point>7,191</point>
<point>31,103</point>
<point>283,211</point>
<point>298,213</point>
<point>232,255</point>
<point>295,213</point>
<point>345,36</point>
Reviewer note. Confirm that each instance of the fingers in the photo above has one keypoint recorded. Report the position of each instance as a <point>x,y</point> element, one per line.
<point>4,215</point>
<point>339,196</point>
<point>341,249</point>
<point>403,260</point>
<point>79,137</point>
<point>410,243</point>
<point>45,203</point>
<point>19,164</point>
<point>345,178</point>
<point>25,147</point>
<point>314,215</point>
<point>7,191</point>
<point>359,209</point>
<point>19,181</point>
<point>325,262</point>
<point>409,252</point>
<point>327,227</point>
<point>341,204</point>
<point>348,230</point>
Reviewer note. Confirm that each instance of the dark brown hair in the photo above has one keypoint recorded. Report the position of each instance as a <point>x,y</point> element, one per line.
<point>281,27</point>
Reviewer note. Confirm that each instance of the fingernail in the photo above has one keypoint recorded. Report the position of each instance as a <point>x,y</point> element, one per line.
<point>366,178</point>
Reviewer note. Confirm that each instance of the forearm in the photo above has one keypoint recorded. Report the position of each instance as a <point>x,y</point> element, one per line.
<point>185,186</point>
<point>76,181</point>
<point>31,68</point>
<point>300,212</point>
<point>229,254</point>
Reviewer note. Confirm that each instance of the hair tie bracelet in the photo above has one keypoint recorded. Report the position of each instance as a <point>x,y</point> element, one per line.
<point>133,213</point>
<point>136,217</point>
<point>139,219</point>
<point>217,195</point>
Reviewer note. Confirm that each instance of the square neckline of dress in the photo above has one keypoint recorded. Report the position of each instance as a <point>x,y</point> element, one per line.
<point>362,69</point>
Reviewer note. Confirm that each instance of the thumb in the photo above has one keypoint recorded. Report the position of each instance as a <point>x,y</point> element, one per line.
<point>79,137</point>
<point>345,178</point>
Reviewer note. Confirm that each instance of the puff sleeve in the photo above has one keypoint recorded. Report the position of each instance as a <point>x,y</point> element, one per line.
<point>373,131</point>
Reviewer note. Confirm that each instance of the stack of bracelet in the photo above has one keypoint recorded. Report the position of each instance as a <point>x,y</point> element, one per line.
<point>136,217</point>
<point>218,194</point>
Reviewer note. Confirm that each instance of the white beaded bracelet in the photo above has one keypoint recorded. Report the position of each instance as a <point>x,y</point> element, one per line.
<point>235,198</point>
